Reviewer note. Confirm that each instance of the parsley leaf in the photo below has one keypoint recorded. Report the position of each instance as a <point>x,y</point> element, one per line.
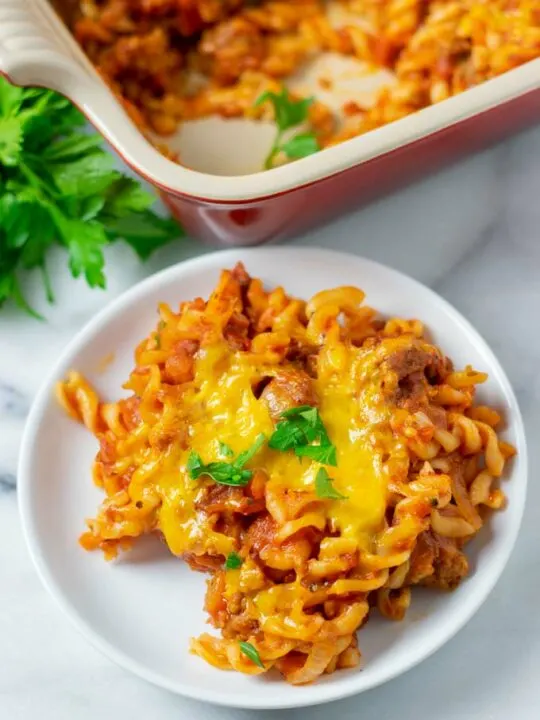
<point>299,427</point>
<point>248,454</point>
<point>225,473</point>
<point>70,147</point>
<point>84,176</point>
<point>11,98</point>
<point>194,465</point>
<point>58,186</point>
<point>10,141</point>
<point>85,242</point>
<point>308,412</point>
<point>287,436</point>
<point>289,113</point>
<point>144,231</point>
<point>251,652</point>
<point>301,146</point>
<point>324,487</point>
<point>126,195</point>
<point>233,561</point>
<point>226,450</point>
<point>324,454</point>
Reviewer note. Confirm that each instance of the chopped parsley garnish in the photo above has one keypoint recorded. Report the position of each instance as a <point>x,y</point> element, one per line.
<point>221,472</point>
<point>225,473</point>
<point>289,113</point>
<point>324,487</point>
<point>250,652</point>
<point>194,465</point>
<point>226,450</point>
<point>233,561</point>
<point>298,428</point>
<point>248,454</point>
<point>324,454</point>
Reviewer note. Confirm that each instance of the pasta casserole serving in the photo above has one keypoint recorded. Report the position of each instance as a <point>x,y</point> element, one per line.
<point>316,460</point>
<point>149,52</point>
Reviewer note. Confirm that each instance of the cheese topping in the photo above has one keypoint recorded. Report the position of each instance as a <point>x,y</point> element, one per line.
<point>219,406</point>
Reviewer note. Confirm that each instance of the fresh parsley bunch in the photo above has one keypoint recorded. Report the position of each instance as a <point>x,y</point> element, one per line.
<point>58,186</point>
<point>288,114</point>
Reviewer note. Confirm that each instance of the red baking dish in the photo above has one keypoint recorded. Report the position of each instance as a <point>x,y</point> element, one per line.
<point>220,199</point>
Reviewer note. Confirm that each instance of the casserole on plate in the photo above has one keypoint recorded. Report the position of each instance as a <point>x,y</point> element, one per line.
<point>142,610</point>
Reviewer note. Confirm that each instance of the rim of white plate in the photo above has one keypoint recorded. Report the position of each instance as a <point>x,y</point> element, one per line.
<point>318,693</point>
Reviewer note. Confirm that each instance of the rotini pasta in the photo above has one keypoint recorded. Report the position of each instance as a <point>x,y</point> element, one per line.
<point>316,471</point>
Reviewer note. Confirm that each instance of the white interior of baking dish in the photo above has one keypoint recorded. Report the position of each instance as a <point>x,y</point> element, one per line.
<point>239,146</point>
<point>225,157</point>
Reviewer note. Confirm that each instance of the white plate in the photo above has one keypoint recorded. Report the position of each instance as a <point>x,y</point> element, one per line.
<point>142,610</point>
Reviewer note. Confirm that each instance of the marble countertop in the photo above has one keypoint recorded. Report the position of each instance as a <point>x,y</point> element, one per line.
<point>473,234</point>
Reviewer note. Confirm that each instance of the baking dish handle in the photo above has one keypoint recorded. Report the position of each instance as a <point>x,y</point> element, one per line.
<point>37,49</point>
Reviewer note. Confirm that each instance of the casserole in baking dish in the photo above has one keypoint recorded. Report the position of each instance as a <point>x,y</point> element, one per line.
<point>219,192</point>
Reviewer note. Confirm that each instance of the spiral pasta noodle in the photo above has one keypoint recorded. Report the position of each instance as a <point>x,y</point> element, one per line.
<point>315,460</point>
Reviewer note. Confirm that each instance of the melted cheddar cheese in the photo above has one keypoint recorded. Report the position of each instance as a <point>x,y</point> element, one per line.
<point>219,406</point>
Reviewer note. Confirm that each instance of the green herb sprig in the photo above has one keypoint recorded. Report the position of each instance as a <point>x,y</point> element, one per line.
<point>250,651</point>
<point>298,428</point>
<point>58,187</point>
<point>233,561</point>
<point>324,487</point>
<point>288,114</point>
<point>226,473</point>
<point>226,450</point>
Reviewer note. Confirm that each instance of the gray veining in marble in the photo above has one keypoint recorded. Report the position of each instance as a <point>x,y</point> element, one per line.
<point>473,234</point>
<point>13,403</point>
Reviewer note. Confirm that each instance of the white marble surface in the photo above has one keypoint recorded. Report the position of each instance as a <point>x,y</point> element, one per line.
<point>473,234</point>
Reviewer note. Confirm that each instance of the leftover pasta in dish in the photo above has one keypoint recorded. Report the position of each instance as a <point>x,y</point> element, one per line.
<point>316,460</point>
<point>149,52</point>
